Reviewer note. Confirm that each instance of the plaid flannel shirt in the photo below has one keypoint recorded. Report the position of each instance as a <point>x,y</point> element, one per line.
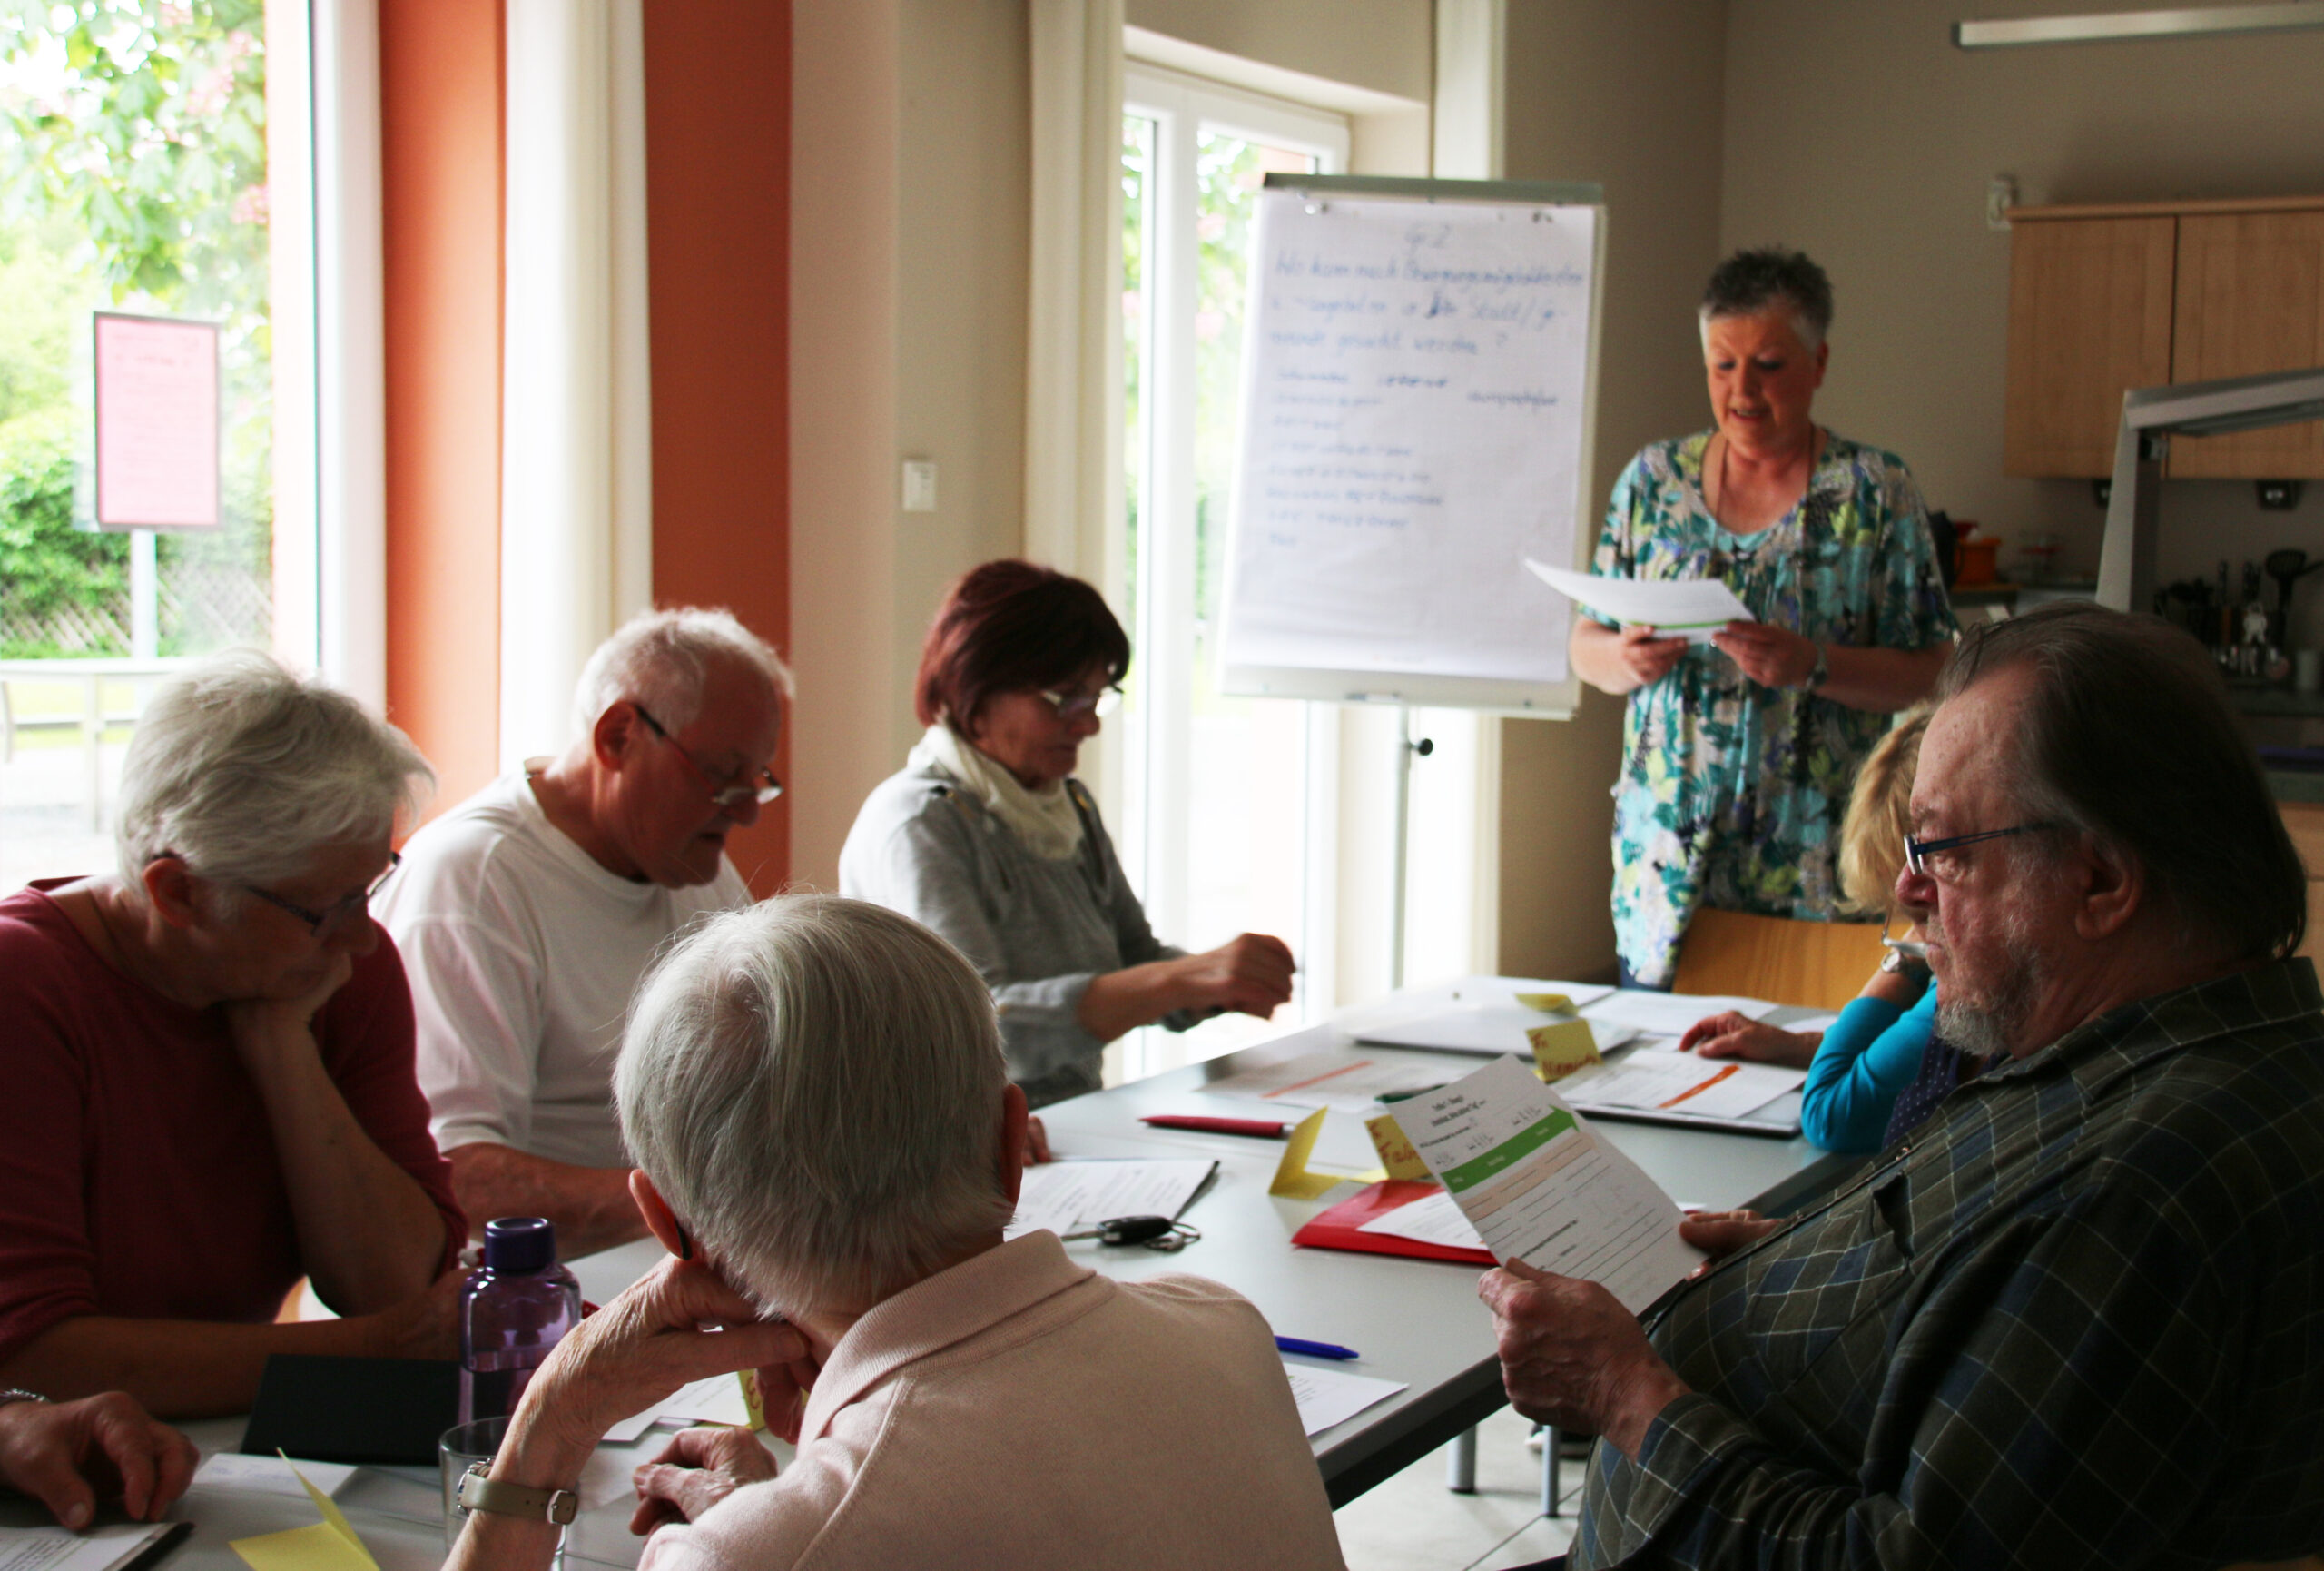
<point>2080,1321</point>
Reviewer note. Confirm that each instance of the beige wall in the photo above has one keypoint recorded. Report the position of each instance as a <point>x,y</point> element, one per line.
<point>1386,45</point>
<point>910,183</point>
<point>843,378</point>
<point>964,197</point>
<point>1628,96</point>
<point>1860,133</point>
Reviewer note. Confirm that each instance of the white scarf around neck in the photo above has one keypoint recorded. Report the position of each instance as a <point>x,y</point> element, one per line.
<point>1045,820</point>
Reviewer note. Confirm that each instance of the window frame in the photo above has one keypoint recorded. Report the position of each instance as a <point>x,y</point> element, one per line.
<point>1156,751</point>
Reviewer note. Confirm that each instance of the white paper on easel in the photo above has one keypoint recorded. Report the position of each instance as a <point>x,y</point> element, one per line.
<point>1542,1187</point>
<point>1689,608</point>
<point>1416,393</point>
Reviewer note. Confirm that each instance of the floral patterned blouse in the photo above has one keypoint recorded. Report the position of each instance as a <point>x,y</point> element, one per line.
<point>1731,794</point>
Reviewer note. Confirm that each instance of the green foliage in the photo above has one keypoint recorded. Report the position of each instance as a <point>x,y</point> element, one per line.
<point>145,121</point>
<point>133,166</point>
<point>45,563</point>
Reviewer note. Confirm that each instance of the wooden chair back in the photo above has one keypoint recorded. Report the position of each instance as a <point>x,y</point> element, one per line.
<point>1817,964</point>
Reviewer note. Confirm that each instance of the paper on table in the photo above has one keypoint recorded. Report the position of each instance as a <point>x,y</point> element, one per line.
<point>331,1544</point>
<point>1541,1186</point>
<point>1492,1028</point>
<point>1689,608</point>
<point>1328,1080</point>
<point>1682,1082</point>
<point>1069,1195</point>
<point>57,1549</point>
<point>1668,1014</point>
<point>1328,1396</point>
<point>1435,1219</point>
<point>270,1475</point>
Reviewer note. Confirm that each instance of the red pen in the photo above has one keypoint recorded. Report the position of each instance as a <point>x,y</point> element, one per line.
<point>1264,1127</point>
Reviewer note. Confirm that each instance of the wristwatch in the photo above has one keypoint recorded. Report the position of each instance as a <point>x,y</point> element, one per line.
<point>479,1493</point>
<point>1821,674</point>
<point>1896,962</point>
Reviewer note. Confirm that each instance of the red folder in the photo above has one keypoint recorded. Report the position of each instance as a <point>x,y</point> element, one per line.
<point>1340,1227</point>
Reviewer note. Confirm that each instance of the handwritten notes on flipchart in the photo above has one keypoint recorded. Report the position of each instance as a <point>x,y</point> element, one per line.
<point>1416,393</point>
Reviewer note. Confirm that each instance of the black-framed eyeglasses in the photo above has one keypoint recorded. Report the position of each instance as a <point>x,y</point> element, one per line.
<point>1073,706</point>
<point>335,913</point>
<point>1918,852</point>
<point>762,790</point>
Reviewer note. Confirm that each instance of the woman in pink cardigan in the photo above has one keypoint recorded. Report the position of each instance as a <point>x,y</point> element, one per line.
<point>828,1146</point>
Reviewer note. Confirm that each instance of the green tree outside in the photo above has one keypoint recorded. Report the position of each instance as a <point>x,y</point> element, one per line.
<point>133,175</point>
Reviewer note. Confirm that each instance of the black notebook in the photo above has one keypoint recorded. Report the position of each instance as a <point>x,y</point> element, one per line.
<point>381,1411</point>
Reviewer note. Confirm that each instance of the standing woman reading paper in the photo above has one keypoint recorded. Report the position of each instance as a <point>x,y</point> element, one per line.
<point>1737,756</point>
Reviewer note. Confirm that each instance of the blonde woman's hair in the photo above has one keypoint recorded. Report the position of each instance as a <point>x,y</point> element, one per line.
<point>1880,814</point>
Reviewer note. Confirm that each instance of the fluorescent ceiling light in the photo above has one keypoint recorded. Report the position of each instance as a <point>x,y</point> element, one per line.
<point>2188,22</point>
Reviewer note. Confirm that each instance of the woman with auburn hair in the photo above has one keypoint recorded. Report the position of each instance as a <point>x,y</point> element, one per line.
<point>1880,1070</point>
<point>986,836</point>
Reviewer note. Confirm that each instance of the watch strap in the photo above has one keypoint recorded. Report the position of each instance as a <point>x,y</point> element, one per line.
<point>480,1493</point>
<point>1822,672</point>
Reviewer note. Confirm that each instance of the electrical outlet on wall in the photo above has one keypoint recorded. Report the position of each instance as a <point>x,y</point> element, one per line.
<point>2001,195</point>
<point>919,486</point>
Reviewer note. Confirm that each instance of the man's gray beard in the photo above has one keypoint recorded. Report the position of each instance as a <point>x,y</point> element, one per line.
<point>1986,1029</point>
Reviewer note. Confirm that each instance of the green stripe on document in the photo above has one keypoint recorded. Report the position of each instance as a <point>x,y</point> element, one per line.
<point>1509,1153</point>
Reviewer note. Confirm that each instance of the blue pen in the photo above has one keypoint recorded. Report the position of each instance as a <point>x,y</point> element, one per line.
<point>1315,1350</point>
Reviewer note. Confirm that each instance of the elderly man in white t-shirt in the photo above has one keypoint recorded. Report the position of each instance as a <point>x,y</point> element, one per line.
<point>526,913</point>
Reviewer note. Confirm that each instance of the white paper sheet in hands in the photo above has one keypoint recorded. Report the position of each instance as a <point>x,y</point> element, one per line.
<point>1689,608</point>
<point>1542,1187</point>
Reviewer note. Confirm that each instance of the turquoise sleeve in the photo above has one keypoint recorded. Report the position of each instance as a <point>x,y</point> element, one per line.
<point>1871,1054</point>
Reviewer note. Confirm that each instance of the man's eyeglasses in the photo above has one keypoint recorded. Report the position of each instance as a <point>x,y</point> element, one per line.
<point>762,790</point>
<point>1073,706</point>
<point>1918,852</point>
<point>330,915</point>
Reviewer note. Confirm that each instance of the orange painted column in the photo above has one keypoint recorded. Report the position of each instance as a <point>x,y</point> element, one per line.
<point>442,168</point>
<point>718,237</point>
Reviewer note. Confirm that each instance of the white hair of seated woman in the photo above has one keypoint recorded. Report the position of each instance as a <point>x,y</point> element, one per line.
<point>815,1086</point>
<point>245,771</point>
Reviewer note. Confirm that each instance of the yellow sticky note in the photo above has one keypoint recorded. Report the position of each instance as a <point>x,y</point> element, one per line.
<point>331,1544</point>
<point>1397,1157</point>
<point>1292,1181</point>
<point>1560,1049</point>
<point>1547,1002</point>
<point>751,1402</point>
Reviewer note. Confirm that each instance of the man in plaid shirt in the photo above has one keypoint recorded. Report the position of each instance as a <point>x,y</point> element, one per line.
<point>2080,1319</point>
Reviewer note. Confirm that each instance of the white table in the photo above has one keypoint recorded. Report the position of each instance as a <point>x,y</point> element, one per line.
<point>1415,1321</point>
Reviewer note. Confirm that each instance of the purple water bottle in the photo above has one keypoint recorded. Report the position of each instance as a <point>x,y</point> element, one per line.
<point>513,1310</point>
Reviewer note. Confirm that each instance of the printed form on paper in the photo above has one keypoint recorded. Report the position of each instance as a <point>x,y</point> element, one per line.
<point>1542,1186</point>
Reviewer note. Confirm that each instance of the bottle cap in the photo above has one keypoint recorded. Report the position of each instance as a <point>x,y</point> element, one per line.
<point>519,1246</point>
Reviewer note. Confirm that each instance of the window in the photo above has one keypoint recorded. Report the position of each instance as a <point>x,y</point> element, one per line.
<point>135,159</point>
<point>1227,802</point>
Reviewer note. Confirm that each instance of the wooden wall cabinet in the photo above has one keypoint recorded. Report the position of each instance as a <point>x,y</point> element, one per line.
<point>2106,299</point>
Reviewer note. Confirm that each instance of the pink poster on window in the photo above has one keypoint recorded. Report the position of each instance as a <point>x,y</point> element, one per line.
<point>157,424</point>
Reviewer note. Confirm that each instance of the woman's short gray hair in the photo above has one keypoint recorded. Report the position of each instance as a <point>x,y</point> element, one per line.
<point>815,1084</point>
<point>661,658</point>
<point>1771,278</point>
<point>246,771</point>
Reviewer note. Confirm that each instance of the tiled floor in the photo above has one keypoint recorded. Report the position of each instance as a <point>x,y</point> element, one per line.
<point>1413,1523</point>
